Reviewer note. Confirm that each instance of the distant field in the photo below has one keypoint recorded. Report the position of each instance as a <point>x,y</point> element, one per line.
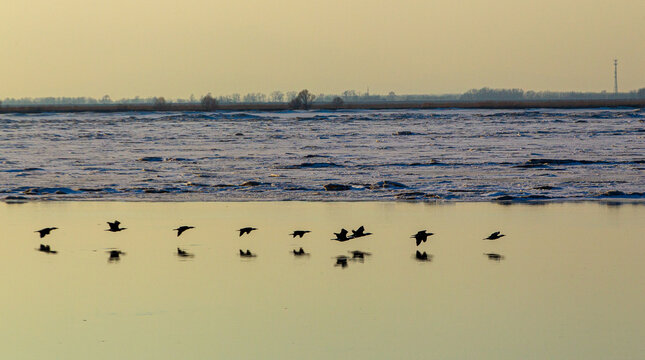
<point>521,104</point>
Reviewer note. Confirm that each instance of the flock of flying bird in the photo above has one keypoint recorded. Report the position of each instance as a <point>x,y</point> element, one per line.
<point>342,236</point>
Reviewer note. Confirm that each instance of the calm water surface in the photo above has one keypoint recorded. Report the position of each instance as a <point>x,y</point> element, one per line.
<point>570,285</point>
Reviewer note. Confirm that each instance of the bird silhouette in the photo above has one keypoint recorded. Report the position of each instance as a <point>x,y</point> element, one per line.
<point>342,236</point>
<point>494,236</point>
<point>360,232</point>
<point>114,226</point>
<point>300,233</point>
<point>246,230</point>
<point>181,229</point>
<point>300,252</point>
<point>46,249</point>
<point>357,254</point>
<point>421,236</point>
<point>44,232</point>
<point>183,253</point>
<point>494,256</point>
<point>247,253</point>
<point>115,255</point>
<point>422,256</point>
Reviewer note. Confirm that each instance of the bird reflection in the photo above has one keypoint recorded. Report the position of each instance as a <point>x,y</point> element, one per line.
<point>114,226</point>
<point>421,236</point>
<point>299,233</point>
<point>181,229</point>
<point>46,249</point>
<point>422,256</point>
<point>341,261</point>
<point>494,236</point>
<point>246,230</point>
<point>115,255</point>
<point>494,256</point>
<point>300,252</point>
<point>342,236</point>
<point>359,255</point>
<point>360,232</point>
<point>184,253</point>
<point>246,254</point>
<point>45,231</point>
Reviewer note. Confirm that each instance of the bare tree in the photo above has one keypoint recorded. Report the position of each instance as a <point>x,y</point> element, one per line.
<point>337,102</point>
<point>159,102</point>
<point>291,95</point>
<point>303,100</point>
<point>209,102</point>
<point>277,96</point>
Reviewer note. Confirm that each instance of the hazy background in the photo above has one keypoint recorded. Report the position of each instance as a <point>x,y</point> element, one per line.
<point>170,48</point>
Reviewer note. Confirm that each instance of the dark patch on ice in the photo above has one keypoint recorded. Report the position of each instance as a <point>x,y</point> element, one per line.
<point>521,198</point>
<point>405,133</point>
<point>23,170</point>
<point>545,187</point>
<point>155,191</point>
<point>536,163</point>
<point>50,191</point>
<point>621,194</point>
<point>387,185</point>
<point>308,165</point>
<point>151,158</point>
<point>416,195</point>
<point>336,187</point>
<point>253,183</point>
<point>159,159</point>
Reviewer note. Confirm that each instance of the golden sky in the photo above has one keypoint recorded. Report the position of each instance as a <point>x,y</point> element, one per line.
<point>126,48</point>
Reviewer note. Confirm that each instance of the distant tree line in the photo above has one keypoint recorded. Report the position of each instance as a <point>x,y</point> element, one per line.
<point>487,94</point>
<point>304,98</point>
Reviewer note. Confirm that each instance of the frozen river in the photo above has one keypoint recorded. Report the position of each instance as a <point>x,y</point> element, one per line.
<point>463,155</point>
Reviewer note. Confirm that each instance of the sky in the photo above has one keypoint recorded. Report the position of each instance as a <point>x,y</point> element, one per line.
<point>127,48</point>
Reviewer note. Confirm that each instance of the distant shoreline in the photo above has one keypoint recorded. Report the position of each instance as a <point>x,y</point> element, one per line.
<point>394,105</point>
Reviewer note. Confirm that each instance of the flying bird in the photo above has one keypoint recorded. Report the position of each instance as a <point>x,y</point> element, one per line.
<point>421,236</point>
<point>114,226</point>
<point>46,249</point>
<point>44,232</point>
<point>300,233</point>
<point>342,236</point>
<point>246,230</point>
<point>300,252</point>
<point>360,232</point>
<point>181,229</point>
<point>494,236</point>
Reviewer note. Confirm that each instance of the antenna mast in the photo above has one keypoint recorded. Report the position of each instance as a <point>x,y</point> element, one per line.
<point>615,76</point>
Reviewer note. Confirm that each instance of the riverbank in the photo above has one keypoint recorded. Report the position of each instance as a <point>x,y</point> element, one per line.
<point>385,105</point>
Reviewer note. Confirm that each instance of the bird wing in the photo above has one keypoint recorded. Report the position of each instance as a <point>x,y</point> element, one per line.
<point>418,241</point>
